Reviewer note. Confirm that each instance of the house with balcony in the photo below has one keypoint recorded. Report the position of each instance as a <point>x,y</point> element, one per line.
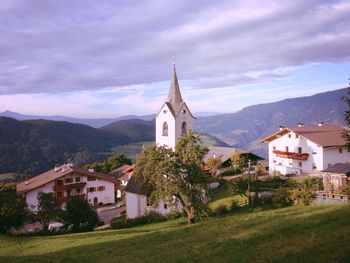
<point>306,149</point>
<point>66,181</point>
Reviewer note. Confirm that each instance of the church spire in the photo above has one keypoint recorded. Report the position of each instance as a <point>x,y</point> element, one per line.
<point>174,96</point>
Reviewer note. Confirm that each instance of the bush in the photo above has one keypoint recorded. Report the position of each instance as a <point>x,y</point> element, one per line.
<point>282,197</point>
<point>151,217</point>
<point>221,210</point>
<point>234,206</point>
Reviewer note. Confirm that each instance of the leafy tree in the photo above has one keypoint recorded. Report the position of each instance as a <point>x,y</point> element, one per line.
<point>214,164</point>
<point>242,187</point>
<point>48,210</point>
<point>346,134</point>
<point>176,175</point>
<point>79,214</point>
<point>306,193</point>
<point>13,210</point>
<point>237,161</point>
<point>110,164</point>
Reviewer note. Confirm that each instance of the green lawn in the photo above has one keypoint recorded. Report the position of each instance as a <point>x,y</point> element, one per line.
<point>223,196</point>
<point>296,234</point>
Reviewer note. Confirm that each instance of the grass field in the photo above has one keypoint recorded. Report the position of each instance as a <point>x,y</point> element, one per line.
<point>296,234</point>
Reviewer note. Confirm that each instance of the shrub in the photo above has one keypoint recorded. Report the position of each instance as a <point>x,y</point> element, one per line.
<point>150,217</point>
<point>282,197</point>
<point>221,210</point>
<point>234,206</point>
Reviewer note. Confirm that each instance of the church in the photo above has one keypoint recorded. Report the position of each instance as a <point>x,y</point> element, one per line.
<point>173,120</point>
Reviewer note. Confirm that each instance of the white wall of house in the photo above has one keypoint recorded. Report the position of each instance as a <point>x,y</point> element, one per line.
<point>32,196</point>
<point>105,196</point>
<point>293,142</point>
<point>136,206</point>
<point>333,156</point>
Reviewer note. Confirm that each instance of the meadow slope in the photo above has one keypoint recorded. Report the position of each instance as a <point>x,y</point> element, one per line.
<point>296,234</point>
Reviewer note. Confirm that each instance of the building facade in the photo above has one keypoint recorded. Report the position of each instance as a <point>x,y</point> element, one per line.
<point>306,149</point>
<point>67,181</point>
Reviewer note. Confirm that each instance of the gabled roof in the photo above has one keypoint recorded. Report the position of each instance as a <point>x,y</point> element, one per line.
<point>135,186</point>
<point>53,174</point>
<point>325,135</point>
<point>123,172</point>
<point>224,153</point>
<point>339,168</point>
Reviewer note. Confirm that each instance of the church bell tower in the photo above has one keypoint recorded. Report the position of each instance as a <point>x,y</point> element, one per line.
<point>174,118</point>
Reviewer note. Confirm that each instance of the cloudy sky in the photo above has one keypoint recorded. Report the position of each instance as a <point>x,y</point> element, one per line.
<point>109,58</point>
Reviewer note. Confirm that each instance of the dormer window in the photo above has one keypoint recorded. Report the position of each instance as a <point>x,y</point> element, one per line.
<point>165,129</point>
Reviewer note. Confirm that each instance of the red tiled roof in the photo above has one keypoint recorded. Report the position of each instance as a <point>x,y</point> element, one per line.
<point>325,135</point>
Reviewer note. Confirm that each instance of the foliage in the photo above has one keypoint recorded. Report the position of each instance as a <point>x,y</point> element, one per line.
<point>166,174</point>
<point>276,173</point>
<point>48,210</point>
<point>237,161</point>
<point>13,210</point>
<point>79,215</point>
<point>214,164</point>
<point>150,217</point>
<point>282,197</point>
<point>306,194</point>
<point>112,163</point>
<point>346,133</point>
<point>260,170</point>
<point>231,171</point>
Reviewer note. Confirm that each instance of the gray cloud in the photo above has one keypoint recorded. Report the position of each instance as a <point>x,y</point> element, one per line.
<point>54,46</point>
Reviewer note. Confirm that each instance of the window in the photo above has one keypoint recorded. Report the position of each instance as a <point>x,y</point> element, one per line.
<point>77,179</point>
<point>69,192</point>
<point>183,111</point>
<point>101,188</point>
<point>296,136</point>
<point>274,161</point>
<point>68,180</point>
<point>300,164</point>
<point>165,129</point>
<point>92,189</point>
<point>165,206</point>
<point>165,111</point>
<point>273,147</point>
<point>340,150</point>
<point>289,135</point>
<point>90,178</point>
<point>59,182</point>
<point>59,194</point>
<point>300,150</point>
<point>287,149</point>
<point>184,128</point>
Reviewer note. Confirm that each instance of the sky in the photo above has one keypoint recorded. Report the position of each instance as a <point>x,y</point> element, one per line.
<point>109,58</point>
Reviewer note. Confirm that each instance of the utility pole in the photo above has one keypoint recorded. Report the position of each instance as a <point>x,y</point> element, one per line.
<point>250,196</point>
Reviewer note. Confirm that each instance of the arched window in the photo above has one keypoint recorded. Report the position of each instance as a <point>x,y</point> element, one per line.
<point>184,128</point>
<point>165,129</point>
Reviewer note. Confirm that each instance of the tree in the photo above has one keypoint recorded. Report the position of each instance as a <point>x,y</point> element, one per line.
<point>48,209</point>
<point>110,164</point>
<point>346,133</point>
<point>176,176</point>
<point>236,161</point>
<point>282,197</point>
<point>79,214</point>
<point>214,164</point>
<point>306,193</point>
<point>13,210</point>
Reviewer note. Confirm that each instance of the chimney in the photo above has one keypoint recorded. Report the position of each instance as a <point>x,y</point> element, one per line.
<point>300,124</point>
<point>70,164</point>
<point>281,127</point>
<point>320,124</point>
<point>26,182</point>
<point>91,170</point>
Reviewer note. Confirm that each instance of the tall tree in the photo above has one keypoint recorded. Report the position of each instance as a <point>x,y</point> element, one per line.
<point>236,161</point>
<point>346,134</point>
<point>168,175</point>
<point>113,162</point>
<point>214,164</point>
<point>13,210</point>
<point>48,210</point>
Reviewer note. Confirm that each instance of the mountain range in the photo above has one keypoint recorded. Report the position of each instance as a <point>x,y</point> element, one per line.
<point>36,145</point>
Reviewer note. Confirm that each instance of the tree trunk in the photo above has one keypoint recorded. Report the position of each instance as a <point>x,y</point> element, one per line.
<point>190,215</point>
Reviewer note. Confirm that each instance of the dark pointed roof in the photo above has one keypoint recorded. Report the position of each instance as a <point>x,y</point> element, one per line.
<point>174,96</point>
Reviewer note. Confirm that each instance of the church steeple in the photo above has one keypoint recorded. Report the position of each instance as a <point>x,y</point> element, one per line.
<point>174,96</point>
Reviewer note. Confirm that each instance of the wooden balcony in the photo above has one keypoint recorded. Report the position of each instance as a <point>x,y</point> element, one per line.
<point>69,186</point>
<point>291,155</point>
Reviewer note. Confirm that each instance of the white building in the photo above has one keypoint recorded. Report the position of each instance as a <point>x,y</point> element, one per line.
<point>306,149</point>
<point>66,181</point>
<point>173,120</point>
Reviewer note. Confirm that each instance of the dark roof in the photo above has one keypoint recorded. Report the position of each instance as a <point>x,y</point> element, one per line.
<point>325,135</point>
<point>134,186</point>
<point>123,172</point>
<point>174,96</point>
<point>338,168</point>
